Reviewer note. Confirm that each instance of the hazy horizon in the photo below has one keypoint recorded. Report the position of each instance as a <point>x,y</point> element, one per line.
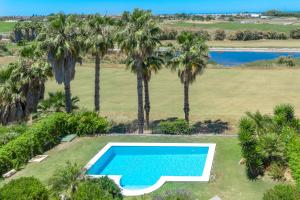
<point>45,7</point>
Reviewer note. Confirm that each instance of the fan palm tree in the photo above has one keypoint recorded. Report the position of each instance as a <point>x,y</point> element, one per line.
<point>62,44</point>
<point>138,39</point>
<point>189,63</point>
<point>152,64</point>
<point>99,41</point>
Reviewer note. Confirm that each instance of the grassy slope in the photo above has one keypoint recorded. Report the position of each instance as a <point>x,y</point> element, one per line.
<point>230,183</point>
<point>218,94</point>
<point>233,26</point>
<point>6,26</point>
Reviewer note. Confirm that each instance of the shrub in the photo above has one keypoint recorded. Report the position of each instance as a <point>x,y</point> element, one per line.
<point>108,185</point>
<point>293,156</point>
<point>275,36</point>
<point>177,194</point>
<point>168,35</point>
<point>284,114</point>
<point>177,127</point>
<point>26,188</point>
<point>87,123</point>
<point>220,35</point>
<point>250,151</point>
<point>286,60</point>
<point>246,35</point>
<point>276,171</point>
<point>280,192</point>
<point>203,34</point>
<point>91,189</point>
<point>9,133</point>
<point>295,34</point>
<point>42,136</point>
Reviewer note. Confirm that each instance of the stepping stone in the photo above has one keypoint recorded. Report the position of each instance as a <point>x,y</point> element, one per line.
<point>68,138</point>
<point>10,173</point>
<point>216,198</point>
<point>38,158</point>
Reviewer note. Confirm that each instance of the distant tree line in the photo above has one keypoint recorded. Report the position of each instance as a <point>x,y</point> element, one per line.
<point>277,13</point>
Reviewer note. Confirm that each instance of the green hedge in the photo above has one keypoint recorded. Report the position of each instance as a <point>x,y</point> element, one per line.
<point>25,188</point>
<point>293,154</point>
<point>177,127</point>
<point>46,133</point>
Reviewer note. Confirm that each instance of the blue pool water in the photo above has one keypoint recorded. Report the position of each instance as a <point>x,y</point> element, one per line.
<point>238,58</point>
<point>142,166</point>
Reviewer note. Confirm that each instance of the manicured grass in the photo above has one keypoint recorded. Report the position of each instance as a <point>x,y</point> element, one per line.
<point>230,179</point>
<point>233,26</point>
<point>218,94</point>
<point>6,26</point>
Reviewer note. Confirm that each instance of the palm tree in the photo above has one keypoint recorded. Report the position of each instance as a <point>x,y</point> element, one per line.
<point>189,63</point>
<point>99,41</point>
<point>138,39</point>
<point>62,44</point>
<point>152,64</point>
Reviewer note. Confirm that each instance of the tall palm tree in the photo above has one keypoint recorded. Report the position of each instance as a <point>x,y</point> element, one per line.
<point>152,64</point>
<point>189,63</point>
<point>62,44</point>
<point>99,41</point>
<point>138,39</point>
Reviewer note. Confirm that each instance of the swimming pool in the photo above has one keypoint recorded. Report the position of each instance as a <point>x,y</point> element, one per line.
<point>140,168</point>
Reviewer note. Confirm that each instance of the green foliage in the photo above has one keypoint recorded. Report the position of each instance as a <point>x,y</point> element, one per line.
<point>246,35</point>
<point>295,34</point>
<point>25,188</point>
<point>248,141</point>
<point>293,149</point>
<point>87,123</point>
<point>271,35</point>
<point>175,195</point>
<point>286,60</point>
<point>109,186</point>
<point>64,180</point>
<point>280,192</point>
<point>168,35</point>
<point>9,133</point>
<point>276,171</point>
<point>177,127</point>
<point>220,35</point>
<point>91,189</point>
<point>203,34</point>
<point>284,114</point>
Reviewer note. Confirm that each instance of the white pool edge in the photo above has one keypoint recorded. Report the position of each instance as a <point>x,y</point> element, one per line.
<point>204,178</point>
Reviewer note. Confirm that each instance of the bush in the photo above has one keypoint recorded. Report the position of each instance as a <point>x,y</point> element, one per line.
<point>26,188</point>
<point>276,171</point>
<point>280,192</point>
<point>286,60</point>
<point>177,127</point>
<point>284,114</point>
<point>203,34</point>
<point>108,185</point>
<point>9,133</point>
<point>275,36</point>
<point>246,35</point>
<point>168,35</point>
<point>175,195</point>
<point>249,143</point>
<point>91,189</point>
<point>87,123</point>
<point>293,156</point>
<point>220,35</point>
<point>295,34</point>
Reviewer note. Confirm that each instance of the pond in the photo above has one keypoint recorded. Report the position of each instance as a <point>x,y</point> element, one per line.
<point>235,58</point>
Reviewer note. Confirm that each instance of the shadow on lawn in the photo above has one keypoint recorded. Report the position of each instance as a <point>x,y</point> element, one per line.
<point>206,127</point>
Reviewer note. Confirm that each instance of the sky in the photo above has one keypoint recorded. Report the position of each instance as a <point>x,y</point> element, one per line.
<point>45,7</point>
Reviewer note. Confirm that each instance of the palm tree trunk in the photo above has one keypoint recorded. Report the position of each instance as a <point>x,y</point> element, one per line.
<point>139,76</point>
<point>97,83</point>
<point>68,96</point>
<point>147,102</point>
<point>186,107</point>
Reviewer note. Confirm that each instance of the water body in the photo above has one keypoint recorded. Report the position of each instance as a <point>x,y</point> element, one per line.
<point>235,58</point>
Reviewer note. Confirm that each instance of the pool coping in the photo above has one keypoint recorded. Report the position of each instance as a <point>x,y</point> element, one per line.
<point>136,192</point>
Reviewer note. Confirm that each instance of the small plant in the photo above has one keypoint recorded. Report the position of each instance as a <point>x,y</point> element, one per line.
<point>282,192</point>
<point>25,188</point>
<point>276,171</point>
<point>108,185</point>
<point>286,60</point>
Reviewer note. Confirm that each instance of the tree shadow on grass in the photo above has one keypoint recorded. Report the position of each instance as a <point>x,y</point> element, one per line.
<point>209,126</point>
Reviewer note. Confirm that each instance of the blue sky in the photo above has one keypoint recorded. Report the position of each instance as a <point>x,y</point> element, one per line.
<point>44,7</point>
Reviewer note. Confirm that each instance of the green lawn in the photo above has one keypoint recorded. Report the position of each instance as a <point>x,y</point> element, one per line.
<point>218,94</point>
<point>6,26</point>
<point>233,26</point>
<point>230,182</point>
